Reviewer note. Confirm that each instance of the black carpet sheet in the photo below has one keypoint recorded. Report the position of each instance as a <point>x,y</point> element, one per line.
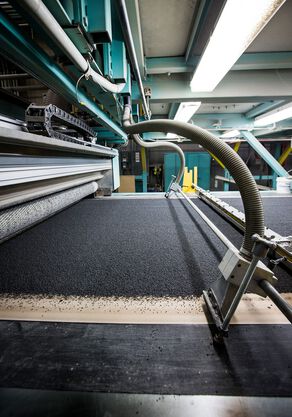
<point>122,248</point>
<point>162,359</point>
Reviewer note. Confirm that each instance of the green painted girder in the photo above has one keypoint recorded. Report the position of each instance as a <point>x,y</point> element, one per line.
<point>237,86</point>
<point>250,61</point>
<point>205,19</point>
<point>225,121</point>
<point>271,130</point>
<point>32,59</point>
<point>135,24</point>
<point>167,65</point>
<point>59,12</point>
<point>264,154</point>
<point>173,109</point>
<point>262,108</point>
<point>100,20</point>
<point>106,99</point>
<point>201,14</point>
<point>264,61</point>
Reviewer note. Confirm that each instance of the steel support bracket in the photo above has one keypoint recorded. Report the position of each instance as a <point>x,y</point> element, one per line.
<point>216,314</point>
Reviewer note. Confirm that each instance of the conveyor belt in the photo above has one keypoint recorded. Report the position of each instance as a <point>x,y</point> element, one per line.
<point>132,247</point>
<point>122,248</point>
<point>161,359</point>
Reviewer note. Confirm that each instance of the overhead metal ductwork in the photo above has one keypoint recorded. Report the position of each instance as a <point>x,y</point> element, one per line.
<point>42,14</point>
<point>126,28</point>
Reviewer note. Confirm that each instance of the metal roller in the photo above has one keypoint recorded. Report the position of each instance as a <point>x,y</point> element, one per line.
<point>19,218</point>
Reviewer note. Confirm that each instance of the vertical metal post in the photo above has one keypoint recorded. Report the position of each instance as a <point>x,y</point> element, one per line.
<point>277,154</point>
<point>226,184</point>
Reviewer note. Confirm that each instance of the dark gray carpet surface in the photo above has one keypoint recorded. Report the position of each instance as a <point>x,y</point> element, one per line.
<point>278,212</point>
<point>106,247</point>
<point>163,359</point>
<point>119,247</point>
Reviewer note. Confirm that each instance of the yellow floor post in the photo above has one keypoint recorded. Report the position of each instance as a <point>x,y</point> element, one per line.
<point>190,178</point>
<point>285,155</point>
<point>195,182</point>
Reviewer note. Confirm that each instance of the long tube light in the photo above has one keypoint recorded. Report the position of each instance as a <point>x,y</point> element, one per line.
<point>184,113</point>
<point>230,134</point>
<point>238,25</point>
<point>273,116</point>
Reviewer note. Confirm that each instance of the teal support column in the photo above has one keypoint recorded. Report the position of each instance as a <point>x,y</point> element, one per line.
<point>264,153</point>
<point>276,156</point>
<point>226,184</point>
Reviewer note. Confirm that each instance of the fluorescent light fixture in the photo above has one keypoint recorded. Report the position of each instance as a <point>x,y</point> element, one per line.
<point>184,113</point>
<point>230,134</point>
<point>273,116</point>
<point>186,110</point>
<point>238,25</point>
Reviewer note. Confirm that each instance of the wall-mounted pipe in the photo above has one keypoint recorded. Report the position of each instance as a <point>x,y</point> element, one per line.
<point>126,28</point>
<point>253,206</point>
<point>127,121</point>
<point>42,14</point>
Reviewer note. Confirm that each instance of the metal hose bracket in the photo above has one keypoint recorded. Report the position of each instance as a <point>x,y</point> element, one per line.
<point>252,202</point>
<point>127,121</point>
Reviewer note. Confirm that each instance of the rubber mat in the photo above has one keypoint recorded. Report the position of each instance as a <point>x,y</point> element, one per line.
<point>119,248</point>
<point>162,359</point>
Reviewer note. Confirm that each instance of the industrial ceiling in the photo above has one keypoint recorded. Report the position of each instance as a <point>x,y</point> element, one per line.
<point>260,80</point>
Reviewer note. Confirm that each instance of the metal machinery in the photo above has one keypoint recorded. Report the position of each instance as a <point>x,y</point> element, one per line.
<point>62,145</point>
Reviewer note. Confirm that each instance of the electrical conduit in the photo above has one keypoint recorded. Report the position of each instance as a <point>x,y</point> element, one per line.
<point>127,119</point>
<point>39,11</point>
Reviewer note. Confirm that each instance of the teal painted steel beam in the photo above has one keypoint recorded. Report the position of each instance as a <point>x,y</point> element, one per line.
<point>58,11</point>
<point>173,109</point>
<point>264,154</point>
<point>264,61</point>
<point>167,65</point>
<point>100,20</point>
<point>205,20</point>
<point>277,154</point>
<point>237,86</point>
<point>30,57</point>
<point>262,108</point>
<point>251,61</point>
<point>200,15</point>
<point>135,24</point>
<point>226,183</point>
<point>272,130</point>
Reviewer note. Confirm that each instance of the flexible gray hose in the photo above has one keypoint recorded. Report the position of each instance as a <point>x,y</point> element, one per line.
<point>137,138</point>
<point>252,202</point>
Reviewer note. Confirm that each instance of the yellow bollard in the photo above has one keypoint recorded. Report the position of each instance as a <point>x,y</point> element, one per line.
<point>190,178</point>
